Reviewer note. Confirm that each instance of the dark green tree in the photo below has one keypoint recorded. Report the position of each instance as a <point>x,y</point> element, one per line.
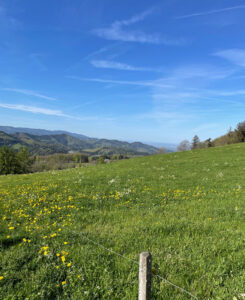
<point>195,142</point>
<point>209,143</point>
<point>9,163</point>
<point>240,131</point>
<point>24,160</point>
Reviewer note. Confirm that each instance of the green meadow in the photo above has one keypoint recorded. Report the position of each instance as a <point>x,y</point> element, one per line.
<point>187,209</point>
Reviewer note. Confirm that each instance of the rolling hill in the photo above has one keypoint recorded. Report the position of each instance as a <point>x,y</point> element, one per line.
<point>63,228</point>
<point>45,144</point>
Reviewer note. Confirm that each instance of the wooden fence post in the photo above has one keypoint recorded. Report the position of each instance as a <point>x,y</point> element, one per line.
<point>145,276</point>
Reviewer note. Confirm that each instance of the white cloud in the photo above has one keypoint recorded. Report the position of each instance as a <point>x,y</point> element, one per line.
<point>29,93</point>
<point>106,64</point>
<point>34,109</point>
<point>50,112</point>
<point>230,93</point>
<point>236,56</point>
<point>6,20</point>
<point>95,53</point>
<point>36,60</point>
<point>211,12</point>
<point>158,115</point>
<point>203,72</point>
<point>153,83</point>
<point>117,33</point>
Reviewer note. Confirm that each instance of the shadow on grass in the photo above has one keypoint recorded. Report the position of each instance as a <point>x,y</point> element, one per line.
<point>6,243</point>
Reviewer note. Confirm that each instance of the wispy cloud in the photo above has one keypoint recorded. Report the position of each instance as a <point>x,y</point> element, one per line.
<point>97,52</point>
<point>7,20</point>
<point>192,97</point>
<point>230,93</point>
<point>51,112</point>
<point>158,115</point>
<point>106,64</point>
<point>153,83</point>
<point>34,109</point>
<point>211,12</point>
<point>236,56</point>
<point>29,93</point>
<point>117,33</point>
<point>36,60</point>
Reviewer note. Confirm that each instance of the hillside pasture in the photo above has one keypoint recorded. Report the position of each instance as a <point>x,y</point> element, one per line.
<point>187,209</point>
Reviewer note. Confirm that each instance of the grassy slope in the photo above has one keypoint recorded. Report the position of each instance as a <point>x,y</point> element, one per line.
<point>187,208</point>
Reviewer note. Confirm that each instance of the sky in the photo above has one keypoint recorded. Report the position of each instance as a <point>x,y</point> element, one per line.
<point>150,71</point>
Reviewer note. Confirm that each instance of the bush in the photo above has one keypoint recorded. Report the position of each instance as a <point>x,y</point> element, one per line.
<point>14,163</point>
<point>100,160</point>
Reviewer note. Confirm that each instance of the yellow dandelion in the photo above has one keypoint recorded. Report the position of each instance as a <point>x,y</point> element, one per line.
<point>57,254</point>
<point>8,236</point>
<point>1,277</point>
<point>63,258</point>
<point>57,267</point>
<point>69,264</point>
<point>63,282</point>
<point>11,228</point>
<point>65,243</point>
<point>45,253</point>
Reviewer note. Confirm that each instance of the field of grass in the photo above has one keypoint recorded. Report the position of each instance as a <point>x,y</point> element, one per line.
<point>187,209</point>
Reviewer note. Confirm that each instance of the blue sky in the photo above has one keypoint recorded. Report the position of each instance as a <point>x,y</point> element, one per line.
<point>158,71</point>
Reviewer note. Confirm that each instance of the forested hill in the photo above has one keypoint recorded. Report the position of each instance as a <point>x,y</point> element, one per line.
<point>64,143</point>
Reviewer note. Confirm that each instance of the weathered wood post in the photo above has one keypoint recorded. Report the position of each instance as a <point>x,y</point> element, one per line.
<point>145,276</point>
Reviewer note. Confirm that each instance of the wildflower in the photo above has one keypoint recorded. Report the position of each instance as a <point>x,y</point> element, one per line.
<point>69,264</point>
<point>63,282</point>
<point>57,254</point>
<point>1,277</point>
<point>63,258</point>
<point>65,243</point>
<point>8,236</point>
<point>11,228</point>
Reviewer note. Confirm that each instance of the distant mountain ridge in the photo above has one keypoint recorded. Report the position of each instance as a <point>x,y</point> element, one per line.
<point>45,142</point>
<point>12,130</point>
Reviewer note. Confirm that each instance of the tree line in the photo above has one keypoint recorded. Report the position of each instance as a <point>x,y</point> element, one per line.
<point>232,137</point>
<point>21,161</point>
